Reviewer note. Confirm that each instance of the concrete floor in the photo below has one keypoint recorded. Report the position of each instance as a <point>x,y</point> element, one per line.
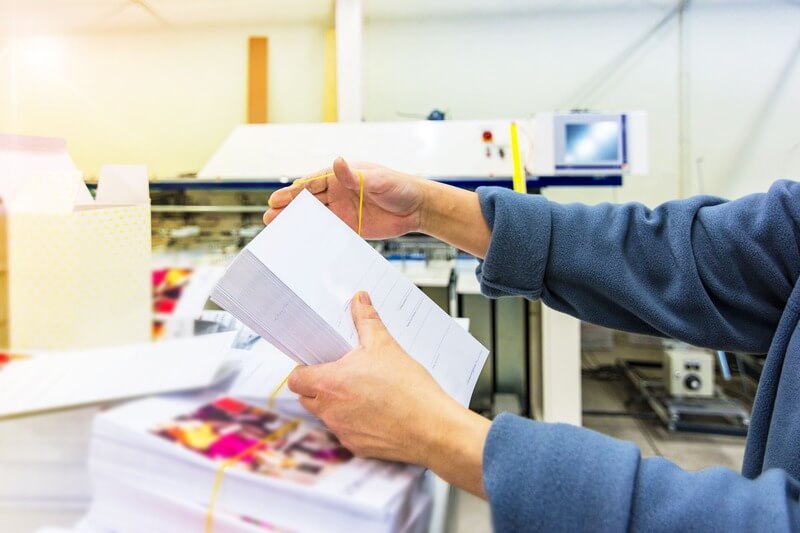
<point>689,451</point>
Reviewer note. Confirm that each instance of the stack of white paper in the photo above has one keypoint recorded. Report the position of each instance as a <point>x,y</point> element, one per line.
<point>293,285</point>
<point>154,462</point>
<point>42,381</point>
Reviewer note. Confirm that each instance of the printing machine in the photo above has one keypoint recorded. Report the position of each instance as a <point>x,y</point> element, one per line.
<point>534,366</point>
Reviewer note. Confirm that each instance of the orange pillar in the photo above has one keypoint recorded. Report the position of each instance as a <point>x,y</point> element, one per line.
<point>257,61</point>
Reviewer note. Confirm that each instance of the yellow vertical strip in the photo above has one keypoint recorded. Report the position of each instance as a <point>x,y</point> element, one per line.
<point>520,185</point>
<point>329,110</point>
<point>257,58</point>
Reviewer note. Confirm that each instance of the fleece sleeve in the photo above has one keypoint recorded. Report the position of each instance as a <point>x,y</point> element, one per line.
<point>704,270</point>
<point>556,477</point>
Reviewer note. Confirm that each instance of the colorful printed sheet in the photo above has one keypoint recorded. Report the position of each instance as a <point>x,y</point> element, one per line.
<point>227,427</point>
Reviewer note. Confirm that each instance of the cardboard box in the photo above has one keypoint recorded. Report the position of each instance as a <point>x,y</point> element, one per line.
<point>74,271</point>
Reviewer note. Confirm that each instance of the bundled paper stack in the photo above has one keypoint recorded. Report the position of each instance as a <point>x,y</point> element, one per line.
<point>155,464</point>
<point>293,284</point>
<point>220,460</point>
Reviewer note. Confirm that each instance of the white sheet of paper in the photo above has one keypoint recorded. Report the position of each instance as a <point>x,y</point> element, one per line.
<point>463,322</point>
<point>54,380</point>
<point>262,369</point>
<point>195,295</point>
<point>325,263</point>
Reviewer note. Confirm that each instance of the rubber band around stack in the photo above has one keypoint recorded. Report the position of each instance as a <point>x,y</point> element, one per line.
<point>292,424</point>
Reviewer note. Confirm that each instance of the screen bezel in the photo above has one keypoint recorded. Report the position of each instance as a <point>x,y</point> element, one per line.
<point>560,123</point>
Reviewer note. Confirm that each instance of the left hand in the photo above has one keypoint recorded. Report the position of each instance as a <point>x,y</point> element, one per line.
<point>381,403</point>
<point>377,400</point>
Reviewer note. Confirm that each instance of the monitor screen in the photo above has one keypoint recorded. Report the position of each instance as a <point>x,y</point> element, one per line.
<point>592,142</point>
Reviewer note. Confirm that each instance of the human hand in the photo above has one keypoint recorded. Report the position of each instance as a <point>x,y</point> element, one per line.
<point>383,404</point>
<point>393,201</point>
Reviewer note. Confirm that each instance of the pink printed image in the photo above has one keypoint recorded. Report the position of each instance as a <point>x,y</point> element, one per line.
<point>227,427</point>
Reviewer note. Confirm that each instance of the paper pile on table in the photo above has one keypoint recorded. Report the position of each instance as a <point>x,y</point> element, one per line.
<point>154,462</point>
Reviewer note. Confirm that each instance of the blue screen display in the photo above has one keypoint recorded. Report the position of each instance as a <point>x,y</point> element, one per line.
<point>595,142</point>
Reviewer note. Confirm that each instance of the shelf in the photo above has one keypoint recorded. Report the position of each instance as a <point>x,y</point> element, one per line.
<point>220,184</point>
<point>463,182</point>
<point>208,208</point>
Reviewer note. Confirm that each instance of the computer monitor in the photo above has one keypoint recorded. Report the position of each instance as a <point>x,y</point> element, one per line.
<point>589,142</point>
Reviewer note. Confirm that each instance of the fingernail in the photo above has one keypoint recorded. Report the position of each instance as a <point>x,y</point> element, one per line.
<point>363,297</point>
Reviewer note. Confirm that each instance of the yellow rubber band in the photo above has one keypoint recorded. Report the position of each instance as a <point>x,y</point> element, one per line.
<point>289,426</point>
<point>360,191</point>
<point>274,395</point>
<point>275,435</point>
<point>360,199</point>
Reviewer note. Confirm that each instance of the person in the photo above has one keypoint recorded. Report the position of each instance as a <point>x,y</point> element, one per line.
<point>714,273</point>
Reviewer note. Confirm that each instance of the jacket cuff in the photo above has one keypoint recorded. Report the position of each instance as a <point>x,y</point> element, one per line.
<point>557,477</point>
<point>519,247</point>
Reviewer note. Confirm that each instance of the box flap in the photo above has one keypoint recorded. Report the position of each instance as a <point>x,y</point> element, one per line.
<point>37,174</point>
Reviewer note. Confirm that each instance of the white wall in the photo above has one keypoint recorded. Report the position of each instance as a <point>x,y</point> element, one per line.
<point>745,98</point>
<point>496,66</point>
<point>167,98</point>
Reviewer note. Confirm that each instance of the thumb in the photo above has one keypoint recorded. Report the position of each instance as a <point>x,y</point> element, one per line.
<point>304,380</point>
<point>345,174</point>
<point>365,317</point>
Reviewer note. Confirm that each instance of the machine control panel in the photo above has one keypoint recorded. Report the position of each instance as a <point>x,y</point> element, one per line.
<point>689,373</point>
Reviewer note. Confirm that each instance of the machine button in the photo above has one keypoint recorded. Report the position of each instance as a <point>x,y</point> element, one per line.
<point>692,382</point>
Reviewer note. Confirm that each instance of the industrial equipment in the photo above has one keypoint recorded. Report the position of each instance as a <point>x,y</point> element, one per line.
<point>689,373</point>
<point>589,144</point>
<point>682,392</point>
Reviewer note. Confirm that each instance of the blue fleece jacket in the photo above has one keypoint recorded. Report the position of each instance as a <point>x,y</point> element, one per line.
<point>714,273</point>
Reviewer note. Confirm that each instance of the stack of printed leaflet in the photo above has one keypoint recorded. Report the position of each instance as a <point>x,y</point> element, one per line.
<point>210,462</point>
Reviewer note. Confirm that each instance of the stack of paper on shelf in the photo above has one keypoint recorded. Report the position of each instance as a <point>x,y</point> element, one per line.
<point>154,463</point>
<point>293,285</point>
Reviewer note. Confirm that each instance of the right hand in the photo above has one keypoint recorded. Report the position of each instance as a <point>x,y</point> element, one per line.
<point>393,201</point>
